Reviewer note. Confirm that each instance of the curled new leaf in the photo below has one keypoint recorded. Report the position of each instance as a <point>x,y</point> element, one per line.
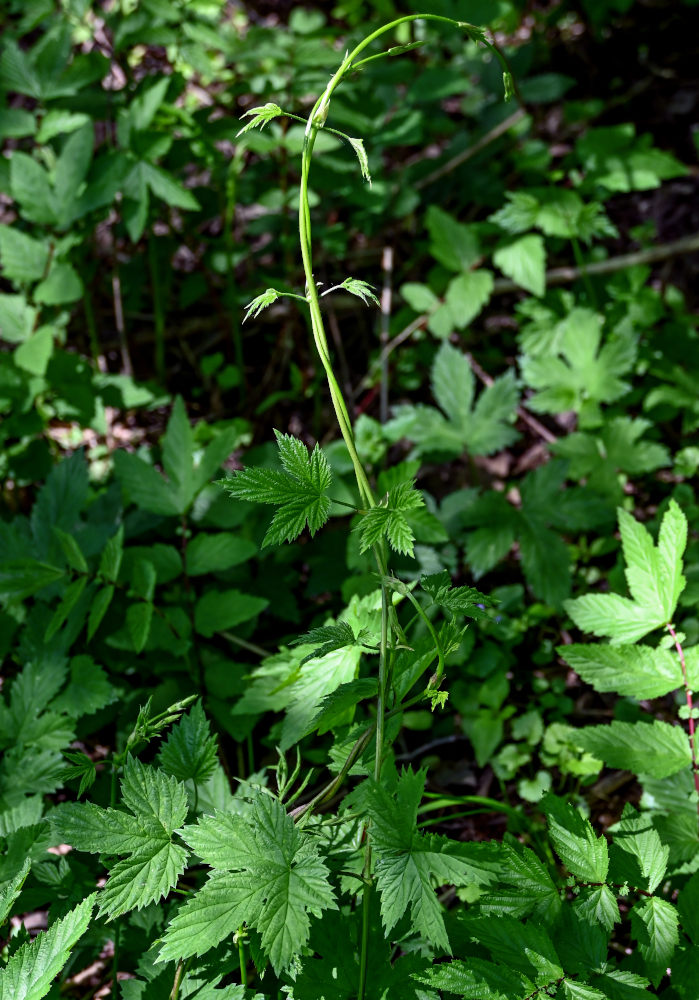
<point>362,289</point>
<point>260,116</point>
<point>358,147</point>
<point>261,302</point>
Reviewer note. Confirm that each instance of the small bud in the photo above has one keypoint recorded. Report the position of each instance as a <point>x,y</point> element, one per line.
<point>509,85</point>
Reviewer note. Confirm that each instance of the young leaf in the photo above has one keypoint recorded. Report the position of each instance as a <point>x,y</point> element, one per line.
<point>190,751</point>
<point>31,970</point>
<point>328,638</point>
<point>654,576</point>
<point>524,260</point>
<point>466,601</point>
<point>583,854</point>
<point>638,856</point>
<point>267,873</point>
<point>80,767</point>
<point>388,520</point>
<point>299,491</point>
<point>657,749</point>
<point>154,862</point>
<point>358,147</point>
<point>362,289</point>
<point>260,302</point>
<point>12,889</point>
<point>260,116</point>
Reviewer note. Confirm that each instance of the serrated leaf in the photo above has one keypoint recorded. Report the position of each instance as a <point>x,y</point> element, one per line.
<point>30,972</point>
<point>273,880</point>
<point>358,147</point>
<point>584,855</point>
<point>177,447</point>
<point>260,302</point>
<point>465,601</point>
<point>481,428</point>
<point>474,979</point>
<point>524,260</point>
<point>330,637</point>
<point>654,575</point>
<point>299,491</point>
<point>525,948</point>
<point>654,926</point>
<point>598,904</point>
<point>110,560</point>
<point>362,289</point>
<point>11,891</point>
<point>467,295</point>
<point>260,116</point>
<point>20,578</point>
<point>638,856</point>
<point>657,749</point>
<point>23,258</point>
<point>217,552</point>
<point>190,751</point>
<point>159,806</point>
<point>688,908</point>
<point>410,865</point>
<point>388,520</point>
<point>72,595</point>
<point>631,671</point>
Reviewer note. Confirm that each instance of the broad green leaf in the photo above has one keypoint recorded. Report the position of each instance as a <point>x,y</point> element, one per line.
<point>583,854</point>
<point>178,455</point>
<point>573,989</point>
<point>524,260</point>
<point>34,354</point>
<point>31,187</point>
<point>473,979</point>
<point>20,578</point>
<point>71,596</point>
<point>219,610</point>
<point>190,751</point>
<point>144,486</point>
<point>583,370</point>
<point>299,491</point>
<point>520,947</point>
<point>87,691</point>
<point>598,904</point>
<point>654,576</point>
<point>419,297</point>
<point>631,671</point>
<point>98,609</point>
<point>154,863</point>
<point>654,926</point>
<point>110,560</point>
<point>272,878</point>
<point>638,856</point>
<point>139,616</point>
<point>71,169</point>
<point>167,188</point>
<point>453,244</point>
<point>215,553</point>
<point>23,258</point>
<point>334,708</point>
<point>30,972</point>
<point>466,296</point>
<point>410,865</point>
<point>656,748</point>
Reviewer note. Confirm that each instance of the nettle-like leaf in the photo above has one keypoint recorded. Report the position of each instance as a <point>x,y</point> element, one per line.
<point>522,947</point>
<point>654,926</point>
<point>190,751</point>
<point>30,972</point>
<point>158,807</point>
<point>409,864</point>
<point>466,601</point>
<point>389,519</point>
<point>631,671</point>
<point>657,749</point>
<point>480,427</point>
<point>261,116</point>
<point>328,638</point>
<point>584,855</point>
<point>299,491</point>
<point>654,577</point>
<point>638,856</point>
<point>583,372</point>
<point>266,873</point>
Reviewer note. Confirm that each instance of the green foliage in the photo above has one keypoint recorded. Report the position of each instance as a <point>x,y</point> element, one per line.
<point>299,491</point>
<point>481,426</point>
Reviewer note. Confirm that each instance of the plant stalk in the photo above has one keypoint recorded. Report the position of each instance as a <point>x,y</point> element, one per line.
<point>690,707</point>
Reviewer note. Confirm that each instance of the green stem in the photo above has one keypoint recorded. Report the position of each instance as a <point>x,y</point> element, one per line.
<point>241,957</point>
<point>175,991</point>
